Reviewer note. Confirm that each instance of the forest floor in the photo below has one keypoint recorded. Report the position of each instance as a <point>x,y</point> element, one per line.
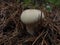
<point>13,31</point>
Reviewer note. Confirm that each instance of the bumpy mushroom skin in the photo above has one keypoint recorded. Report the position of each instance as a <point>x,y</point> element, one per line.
<point>31,16</point>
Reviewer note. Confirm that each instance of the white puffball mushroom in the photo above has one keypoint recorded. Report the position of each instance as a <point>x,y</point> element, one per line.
<point>31,16</point>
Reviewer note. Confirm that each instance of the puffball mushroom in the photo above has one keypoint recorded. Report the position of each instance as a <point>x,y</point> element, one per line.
<point>31,16</point>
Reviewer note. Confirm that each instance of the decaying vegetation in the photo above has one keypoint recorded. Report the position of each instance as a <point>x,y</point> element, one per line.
<point>13,31</point>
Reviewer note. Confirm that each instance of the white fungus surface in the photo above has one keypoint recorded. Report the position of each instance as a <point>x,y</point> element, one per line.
<point>31,16</point>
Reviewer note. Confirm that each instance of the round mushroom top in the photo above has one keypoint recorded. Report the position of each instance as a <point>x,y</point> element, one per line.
<point>31,16</point>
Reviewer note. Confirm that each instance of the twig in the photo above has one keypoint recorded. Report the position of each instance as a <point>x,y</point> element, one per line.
<point>38,37</point>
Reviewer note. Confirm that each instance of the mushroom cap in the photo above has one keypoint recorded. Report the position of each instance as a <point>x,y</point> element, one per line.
<point>31,16</point>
